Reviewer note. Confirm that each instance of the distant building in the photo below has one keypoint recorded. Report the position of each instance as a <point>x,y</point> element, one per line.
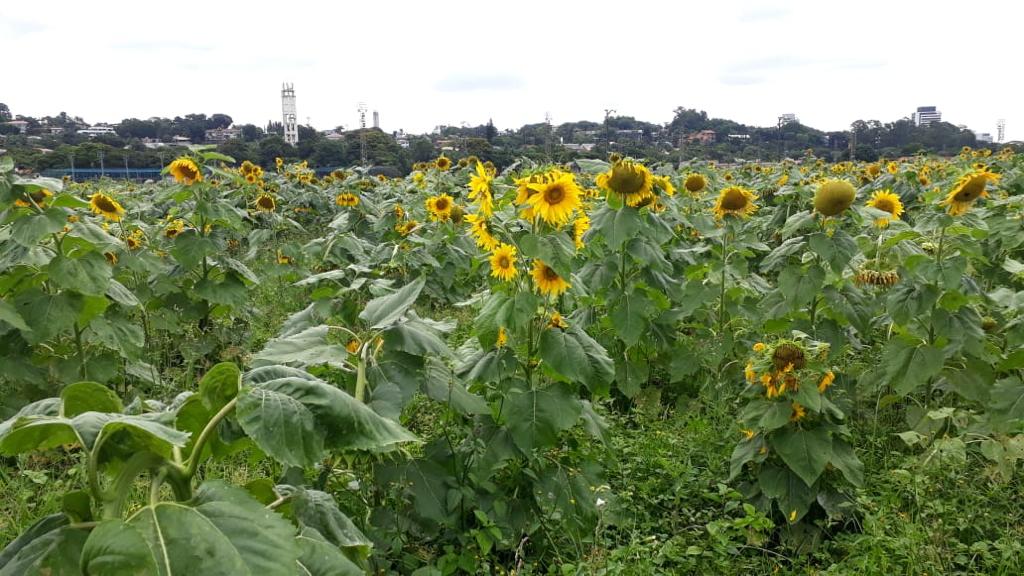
<point>984,137</point>
<point>739,136</point>
<point>925,115</point>
<point>98,130</point>
<point>631,135</point>
<point>21,125</point>
<point>376,119</point>
<point>332,135</point>
<point>289,114</point>
<point>587,147</point>
<point>223,134</point>
<point>788,119</point>
<point>704,137</point>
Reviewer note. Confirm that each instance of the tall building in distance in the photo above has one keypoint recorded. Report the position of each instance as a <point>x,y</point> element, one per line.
<point>376,119</point>
<point>788,119</point>
<point>1000,129</point>
<point>925,115</point>
<point>291,119</point>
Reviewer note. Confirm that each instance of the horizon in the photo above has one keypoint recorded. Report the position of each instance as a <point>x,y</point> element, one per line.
<point>422,69</point>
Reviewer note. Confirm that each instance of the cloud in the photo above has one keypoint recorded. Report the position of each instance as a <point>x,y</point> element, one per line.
<point>475,82</point>
<point>763,14</point>
<point>740,79</point>
<point>161,46</point>
<point>16,27</point>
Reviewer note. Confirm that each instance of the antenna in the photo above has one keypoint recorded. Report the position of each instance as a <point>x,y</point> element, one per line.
<point>362,114</point>
<point>1000,130</point>
<point>362,133</point>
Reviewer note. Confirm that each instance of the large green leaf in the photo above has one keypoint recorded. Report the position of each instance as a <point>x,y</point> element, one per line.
<point>29,230</point>
<point>788,490</point>
<point>88,274</point>
<point>49,548</point>
<point>1007,399</point>
<point>46,314</point>
<point>630,316</point>
<point>219,385</point>
<point>616,226</point>
<point>385,310</point>
<point>806,452</point>
<point>564,354</point>
<point>9,314</point>
<point>309,347</point>
<point>535,417</point>
<point>318,510</point>
<point>88,397</point>
<point>135,432</point>
<point>318,557</point>
<point>909,364</point>
<point>441,385</point>
<point>223,531</point>
<point>799,286</point>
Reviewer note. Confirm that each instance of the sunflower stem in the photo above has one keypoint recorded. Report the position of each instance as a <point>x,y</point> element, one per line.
<point>721,299</point>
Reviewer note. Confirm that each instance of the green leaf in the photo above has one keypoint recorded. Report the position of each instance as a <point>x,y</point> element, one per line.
<point>9,314</point>
<point>806,452</point>
<point>798,286</point>
<point>88,397</point>
<point>745,451</point>
<point>846,461</point>
<point>594,423</point>
<point>792,496</point>
<point>630,317</point>
<point>796,222</point>
<point>616,226</point>
<point>415,338</point>
<point>219,385</point>
<point>535,417</point>
<point>306,348</point>
<point>46,314</point>
<point>48,548</point>
<point>907,364</point>
<point>317,557</point>
<point>280,425</point>
<point>121,294</point>
<point>385,310</point>
<point>29,230</point>
<point>225,532</point>
<point>441,385</point>
<point>1007,399</point>
<point>88,274</point>
<point>556,250</point>
<point>564,354</point>
<point>119,333</point>
<point>776,416</point>
<point>318,510</point>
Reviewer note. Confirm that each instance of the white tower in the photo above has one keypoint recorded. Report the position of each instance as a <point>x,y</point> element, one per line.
<point>1000,130</point>
<point>376,119</point>
<point>291,120</point>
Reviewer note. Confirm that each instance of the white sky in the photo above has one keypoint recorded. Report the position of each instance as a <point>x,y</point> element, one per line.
<point>427,63</point>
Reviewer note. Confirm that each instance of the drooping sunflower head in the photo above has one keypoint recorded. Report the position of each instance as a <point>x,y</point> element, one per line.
<point>462,163</point>
<point>546,280</point>
<point>106,206</point>
<point>503,262</point>
<point>174,228</point>
<point>440,207</point>
<point>833,197</point>
<point>37,197</point>
<point>886,201</point>
<point>406,228</point>
<point>265,203</point>
<point>695,183</point>
<point>630,180</point>
<point>185,171</point>
<point>788,354</point>
<point>735,201</point>
<point>969,188</point>
<point>556,198</point>
<point>346,199</point>
<point>664,185</point>
<point>443,163</point>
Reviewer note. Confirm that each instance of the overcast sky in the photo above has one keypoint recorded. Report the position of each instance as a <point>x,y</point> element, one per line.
<point>427,63</point>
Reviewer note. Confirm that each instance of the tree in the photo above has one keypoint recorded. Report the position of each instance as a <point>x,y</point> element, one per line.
<point>218,121</point>
<point>422,149</point>
<point>252,132</point>
<point>490,131</point>
<point>5,113</point>
<point>274,147</point>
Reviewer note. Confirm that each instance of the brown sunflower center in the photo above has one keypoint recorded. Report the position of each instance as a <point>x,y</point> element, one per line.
<point>105,204</point>
<point>626,179</point>
<point>265,202</point>
<point>786,354</point>
<point>971,189</point>
<point>733,199</point>
<point>554,194</point>
<point>441,205</point>
<point>694,183</point>
<point>885,205</point>
<point>504,261</point>
<point>550,275</point>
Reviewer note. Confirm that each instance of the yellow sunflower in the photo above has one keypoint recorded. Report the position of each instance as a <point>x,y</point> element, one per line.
<point>886,201</point>
<point>37,197</point>
<point>833,197</point>
<point>440,206</point>
<point>346,199</point>
<point>968,189</point>
<point>502,340</point>
<point>406,228</point>
<point>630,180</point>
<point>735,201</point>
<point>185,171</point>
<point>547,281</point>
<point>265,203</point>
<point>443,163</point>
<point>664,183</point>
<point>174,228</point>
<point>695,183</point>
<point>480,189</point>
<point>557,199</point>
<point>556,321</point>
<point>480,231</point>
<point>873,170</point>
<point>892,167</point>
<point>100,203</point>
<point>579,228</point>
<point>503,262</point>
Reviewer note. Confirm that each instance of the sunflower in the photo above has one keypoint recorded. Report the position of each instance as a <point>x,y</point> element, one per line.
<point>968,189</point>
<point>695,183</point>
<point>557,321</point>
<point>111,258</point>
<point>185,171</point>
<point>735,201</point>
<point>37,197</point>
<point>923,179</point>
<point>886,201</point>
<point>892,168</point>
<point>502,339</point>
<point>788,355</point>
<point>799,412</point>
<point>873,170</point>
<point>480,231</point>
<point>503,262</point>
<point>443,163</point>
<point>100,203</point>
<point>664,183</point>
<point>346,199</point>
<point>440,207</point>
<point>353,345</point>
<point>283,259</point>
<point>399,212</point>
<point>556,199</point>
<point>632,181</point>
<point>480,189</point>
<point>579,228</point>
<point>547,281</point>
<point>174,228</point>
<point>279,162</point>
<point>826,381</point>
<point>406,228</point>
<point>265,203</point>
<point>833,197</point>
<point>134,240</point>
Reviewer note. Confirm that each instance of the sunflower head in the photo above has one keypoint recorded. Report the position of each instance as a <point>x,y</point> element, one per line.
<point>443,163</point>
<point>37,197</point>
<point>440,206</point>
<point>788,354</point>
<point>265,203</point>
<point>174,228</point>
<point>886,201</point>
<point>546,280</point>
<point>833,197</point>
<point>185,171</point>
<point>630,180</point>
<point>106,206</point>
<point>735,201</point>
<point>969,188</point>
<point>556,198</point>
<point>346,199</point>
<point>503,262</point>
<point>695,183</point>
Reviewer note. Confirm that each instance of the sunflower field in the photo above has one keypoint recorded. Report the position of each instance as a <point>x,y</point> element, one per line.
<point>597,368</point>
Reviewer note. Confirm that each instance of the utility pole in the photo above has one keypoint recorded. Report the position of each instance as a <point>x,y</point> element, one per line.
<point>102,169</point>
<point>607,127</point>
<point>125,154</point>
<point>72,156</point>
